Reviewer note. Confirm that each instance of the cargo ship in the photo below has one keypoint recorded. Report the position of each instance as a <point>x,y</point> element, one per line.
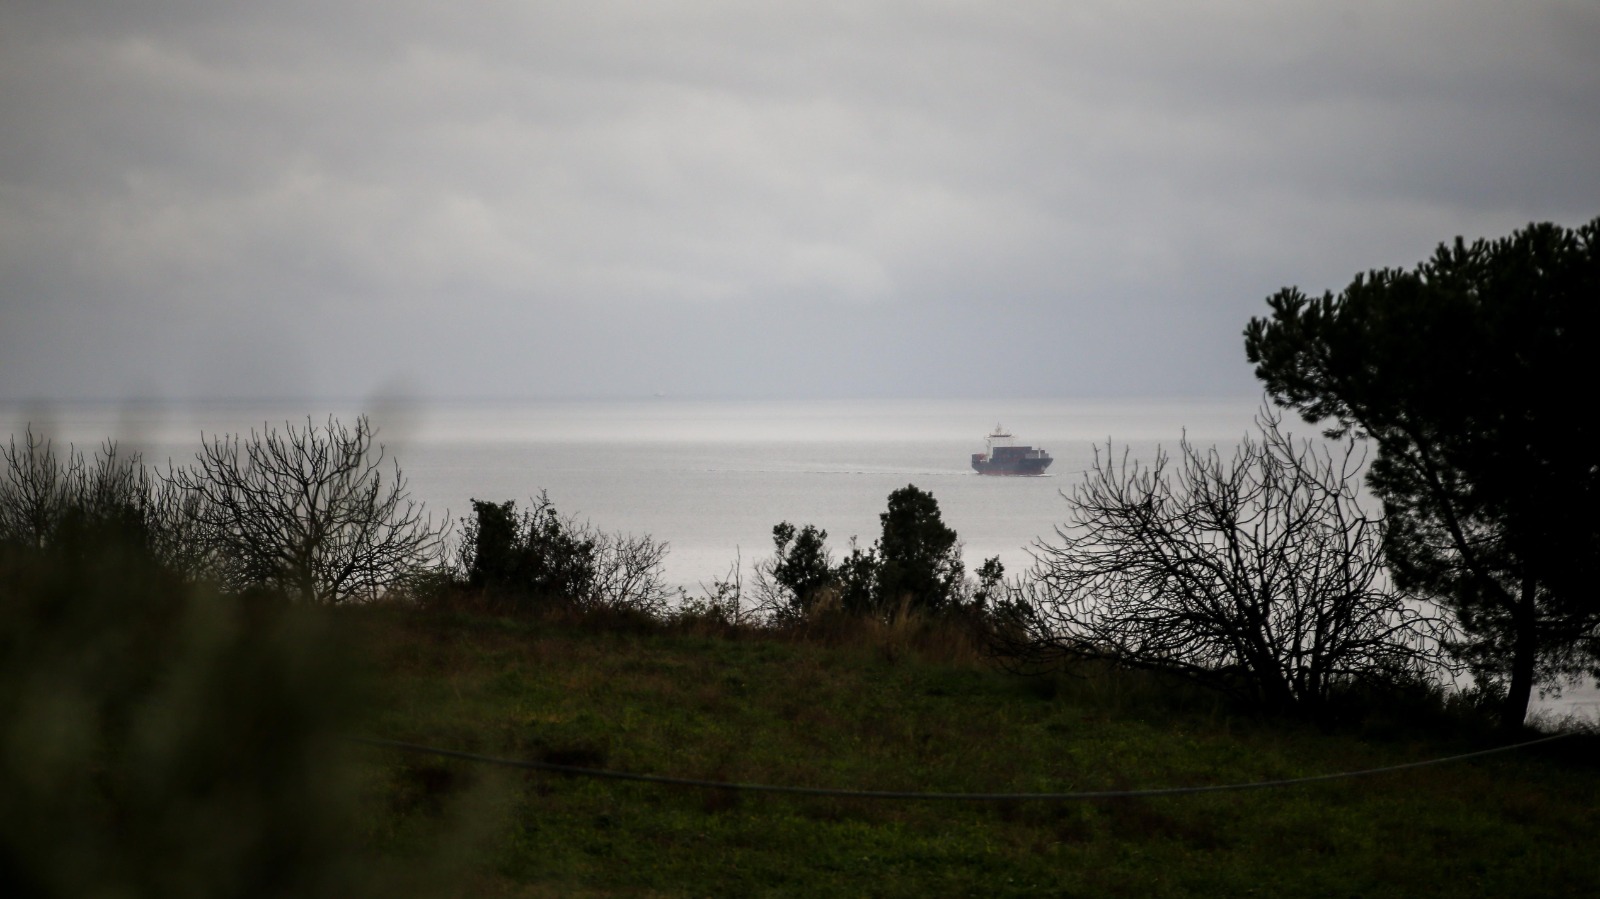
<point>1006,458</point>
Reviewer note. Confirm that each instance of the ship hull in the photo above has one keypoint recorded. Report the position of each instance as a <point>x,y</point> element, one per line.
<point>1023,468</point>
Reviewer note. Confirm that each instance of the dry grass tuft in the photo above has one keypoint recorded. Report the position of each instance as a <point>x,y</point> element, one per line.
<point>953,638</point>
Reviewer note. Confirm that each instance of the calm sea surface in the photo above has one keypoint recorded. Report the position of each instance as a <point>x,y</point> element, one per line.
<point>711,478</point>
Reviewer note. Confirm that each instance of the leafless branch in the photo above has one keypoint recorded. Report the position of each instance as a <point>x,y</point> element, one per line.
<point>308,511</point>
<point>1260,575</point>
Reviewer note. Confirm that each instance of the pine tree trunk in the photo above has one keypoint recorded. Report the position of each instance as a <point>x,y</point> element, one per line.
<point>1525,652</point>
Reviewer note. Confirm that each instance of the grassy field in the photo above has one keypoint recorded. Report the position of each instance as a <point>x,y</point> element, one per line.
<point>876,712</point>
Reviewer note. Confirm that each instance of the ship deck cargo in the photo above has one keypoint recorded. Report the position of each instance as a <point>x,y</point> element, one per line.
<point>1005,458</point>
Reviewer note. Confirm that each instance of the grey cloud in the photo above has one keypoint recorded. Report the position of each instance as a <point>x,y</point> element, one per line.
<point>874,198</point>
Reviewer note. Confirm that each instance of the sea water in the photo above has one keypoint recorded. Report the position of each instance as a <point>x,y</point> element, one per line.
<point>712,478</point>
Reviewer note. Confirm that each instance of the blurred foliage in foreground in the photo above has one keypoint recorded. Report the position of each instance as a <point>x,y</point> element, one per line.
<point>160,739</point>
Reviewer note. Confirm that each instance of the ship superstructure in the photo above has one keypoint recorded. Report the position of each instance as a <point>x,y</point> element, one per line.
<point>1003,457</point>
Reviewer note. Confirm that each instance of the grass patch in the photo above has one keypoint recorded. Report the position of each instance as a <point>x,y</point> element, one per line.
<point>881,713</point>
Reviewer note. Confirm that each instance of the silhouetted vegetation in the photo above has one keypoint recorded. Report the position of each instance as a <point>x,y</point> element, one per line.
<point>538,560</point>
<point>1258,576</point>
<point>532,556</point>
<point>919,558</point>
<point>914,566</point>
<point>63,501</point>
<point>1463,372</point>
<point>307,512</point>
<point>800,567</point>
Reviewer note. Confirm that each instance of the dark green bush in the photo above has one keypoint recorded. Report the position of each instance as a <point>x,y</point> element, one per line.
<point>540,561</point>
<point>914,566</point>
<point>534,556</point>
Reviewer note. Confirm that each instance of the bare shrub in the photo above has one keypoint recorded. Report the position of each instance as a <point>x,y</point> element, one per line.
<point>1260,576</point>
<point>309,512</point>
<point>43,493</point>
<point>48,499</point>
<point>628,572</point>
<point>720,608</point>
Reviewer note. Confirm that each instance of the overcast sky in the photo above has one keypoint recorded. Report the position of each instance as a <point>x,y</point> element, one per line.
<point>748,199</point>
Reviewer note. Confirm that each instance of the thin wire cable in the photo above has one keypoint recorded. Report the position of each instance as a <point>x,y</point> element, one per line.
<point>606,774</point>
